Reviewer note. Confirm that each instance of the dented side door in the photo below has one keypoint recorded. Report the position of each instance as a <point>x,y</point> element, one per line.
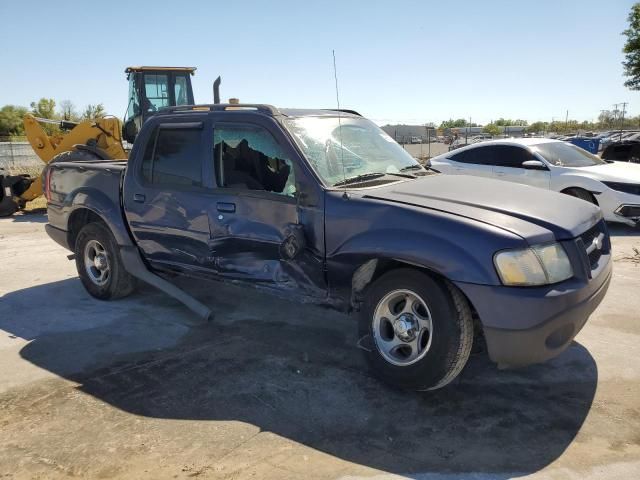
<point>273,239</point>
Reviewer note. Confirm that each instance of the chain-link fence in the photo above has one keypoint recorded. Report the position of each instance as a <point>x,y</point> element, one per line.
<point>16,157</point>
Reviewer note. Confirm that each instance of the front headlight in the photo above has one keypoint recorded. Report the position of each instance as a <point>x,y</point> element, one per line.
<point>539,265</point>
<point>632,188</point>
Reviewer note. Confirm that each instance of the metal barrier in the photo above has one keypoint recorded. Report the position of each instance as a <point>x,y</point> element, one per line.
<point>18,155</point>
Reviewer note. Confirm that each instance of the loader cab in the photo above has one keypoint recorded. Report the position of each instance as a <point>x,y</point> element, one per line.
<point>152,88</point>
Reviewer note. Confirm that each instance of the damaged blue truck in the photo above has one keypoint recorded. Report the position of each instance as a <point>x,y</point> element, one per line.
<point>323,207</point>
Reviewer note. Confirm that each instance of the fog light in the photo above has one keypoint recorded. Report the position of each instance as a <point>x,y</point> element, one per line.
<point>628,211</point>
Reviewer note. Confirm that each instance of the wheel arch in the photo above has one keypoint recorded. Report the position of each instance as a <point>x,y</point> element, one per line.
<point>373,268</point>
<point>88,211</point>
<point>77,220</point>
<point>589,191</point>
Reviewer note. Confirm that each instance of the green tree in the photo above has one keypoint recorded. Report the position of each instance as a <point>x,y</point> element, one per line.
<point>537,127</point>
<point>460,122</point>
<point>44,108</point>
<point>632,49</point>
<point>11,121</point>
<point>605,119</point>
<point>492,129</point>
<point>93,111</point>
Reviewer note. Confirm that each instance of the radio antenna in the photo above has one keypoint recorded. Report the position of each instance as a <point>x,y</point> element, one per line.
<point>335,76</point>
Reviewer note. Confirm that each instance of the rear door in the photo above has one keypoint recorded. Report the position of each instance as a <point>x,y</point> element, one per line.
<point>165,195</point>
<point>508,160</point>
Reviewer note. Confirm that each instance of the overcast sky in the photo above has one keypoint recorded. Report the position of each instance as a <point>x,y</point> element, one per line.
<point>406,62</point>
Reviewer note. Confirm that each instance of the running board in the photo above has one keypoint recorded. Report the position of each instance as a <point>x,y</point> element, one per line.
<point>135,266</point>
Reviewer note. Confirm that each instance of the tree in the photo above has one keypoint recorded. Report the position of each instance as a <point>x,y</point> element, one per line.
<point>632,49</point>
<point>45,108</point>
<point>605,119</point>
<point>68,111</point>
<point>93,111</point>
<point>492,129</point>
<point>11,121</point>
<point>537,127</point>
<point>460,122</point>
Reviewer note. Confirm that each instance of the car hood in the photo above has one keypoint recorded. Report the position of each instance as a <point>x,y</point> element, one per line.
<point>614,172</point>
<point>534,214</point>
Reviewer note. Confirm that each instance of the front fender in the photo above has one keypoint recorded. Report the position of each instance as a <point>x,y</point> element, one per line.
<point>432,251</point>
<point>570,180</point>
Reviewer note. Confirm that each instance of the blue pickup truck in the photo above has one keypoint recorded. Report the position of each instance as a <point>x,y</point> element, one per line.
<point>323,207</point>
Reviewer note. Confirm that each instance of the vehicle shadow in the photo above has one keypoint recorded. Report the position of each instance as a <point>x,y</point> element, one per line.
<point>296,371</point>
<point>33,216</point>
<point>622,230</point>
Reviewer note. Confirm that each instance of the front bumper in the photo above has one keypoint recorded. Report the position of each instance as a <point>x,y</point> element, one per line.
<point>619,206</point>
<point>523,326</point>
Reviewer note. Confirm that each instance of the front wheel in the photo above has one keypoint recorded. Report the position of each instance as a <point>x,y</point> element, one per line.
<point>420,327</point>
<point>582,194</point>
<point>99,265</point>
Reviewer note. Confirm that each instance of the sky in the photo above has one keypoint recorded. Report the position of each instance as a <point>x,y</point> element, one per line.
<point>397,62</point>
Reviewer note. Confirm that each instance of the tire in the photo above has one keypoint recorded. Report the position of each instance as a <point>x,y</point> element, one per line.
<point>440,320</point>
<point>105,278</point>
<point>582,194</point>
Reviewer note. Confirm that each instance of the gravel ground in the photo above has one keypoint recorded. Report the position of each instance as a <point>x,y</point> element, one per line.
<point>137,389</point>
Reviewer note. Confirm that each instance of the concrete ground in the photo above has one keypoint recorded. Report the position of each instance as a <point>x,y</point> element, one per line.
<point>136,389</point>
<point>425,150</point>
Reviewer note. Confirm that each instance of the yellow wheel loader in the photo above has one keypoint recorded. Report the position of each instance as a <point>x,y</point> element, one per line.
<point>150,89</point>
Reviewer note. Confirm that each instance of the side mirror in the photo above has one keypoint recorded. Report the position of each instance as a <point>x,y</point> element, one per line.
<point>129,130</point>
<point>534,165</point>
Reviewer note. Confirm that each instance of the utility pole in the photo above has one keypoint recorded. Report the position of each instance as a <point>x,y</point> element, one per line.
<point>624,106</point>
<point>615,117</point>
<point>566,121</point>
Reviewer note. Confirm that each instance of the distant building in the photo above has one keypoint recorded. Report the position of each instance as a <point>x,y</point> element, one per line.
<point>510,131</point>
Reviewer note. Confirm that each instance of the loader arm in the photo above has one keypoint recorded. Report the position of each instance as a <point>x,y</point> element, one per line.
<point>103,133</point>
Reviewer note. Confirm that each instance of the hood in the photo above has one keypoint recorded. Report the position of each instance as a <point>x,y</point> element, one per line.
<point>613,172</point>
<point>534,214</point>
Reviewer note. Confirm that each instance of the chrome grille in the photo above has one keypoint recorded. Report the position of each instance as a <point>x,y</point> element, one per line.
<point>596,243</point>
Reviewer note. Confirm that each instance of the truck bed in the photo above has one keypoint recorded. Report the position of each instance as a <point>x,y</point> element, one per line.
<point>99,179</point>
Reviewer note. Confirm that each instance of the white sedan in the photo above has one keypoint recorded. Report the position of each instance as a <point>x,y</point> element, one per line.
<point>554,165</point>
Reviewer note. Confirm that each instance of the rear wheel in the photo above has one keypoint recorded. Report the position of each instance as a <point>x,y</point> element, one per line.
<point>420,327</point>
<point>582,194</point>
<point>99,264</point>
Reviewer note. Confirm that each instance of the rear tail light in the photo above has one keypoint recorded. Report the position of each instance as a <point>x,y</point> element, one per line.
<point>47,185</point>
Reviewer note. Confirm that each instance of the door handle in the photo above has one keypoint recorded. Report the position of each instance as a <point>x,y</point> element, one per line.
<point>139,197</point>
<point>226,207</point>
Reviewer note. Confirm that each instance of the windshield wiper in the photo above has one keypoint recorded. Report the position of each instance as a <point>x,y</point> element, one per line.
<point>359,178</point>
<point>411,167</point>
<point>363,177</point>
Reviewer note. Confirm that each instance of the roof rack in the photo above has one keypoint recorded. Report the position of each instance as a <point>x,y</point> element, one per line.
<point>344,110</point>
<point>223,107</point>
<point>152,69</point>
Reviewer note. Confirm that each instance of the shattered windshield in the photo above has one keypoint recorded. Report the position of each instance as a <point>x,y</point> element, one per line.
<point>351,148</point>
